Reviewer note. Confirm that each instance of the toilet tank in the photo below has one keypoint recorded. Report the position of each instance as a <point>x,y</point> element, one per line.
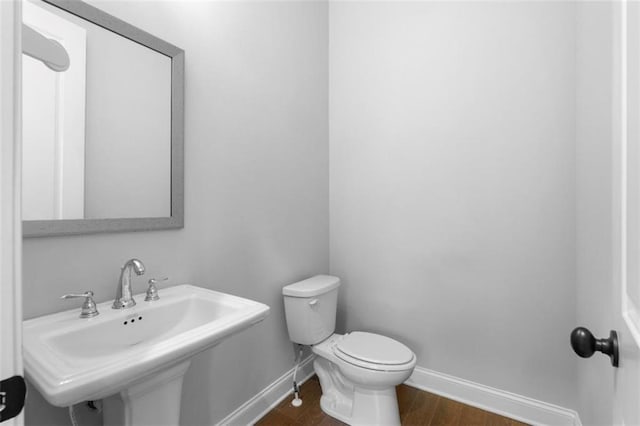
<point>310,308</point>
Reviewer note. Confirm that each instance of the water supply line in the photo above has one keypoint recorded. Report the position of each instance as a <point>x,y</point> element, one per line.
<point>72,416</point>
<point>296,391</point>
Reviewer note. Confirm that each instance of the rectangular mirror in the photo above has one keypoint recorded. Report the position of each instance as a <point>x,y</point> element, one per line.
<point>103,138</point>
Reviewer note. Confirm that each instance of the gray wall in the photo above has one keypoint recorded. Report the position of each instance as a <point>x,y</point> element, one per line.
<point>256,190</point>
<point>594,130</point>
<point>452,185</point>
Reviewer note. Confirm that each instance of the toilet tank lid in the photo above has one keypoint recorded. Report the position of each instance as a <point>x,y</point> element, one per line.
<point>311,287</point>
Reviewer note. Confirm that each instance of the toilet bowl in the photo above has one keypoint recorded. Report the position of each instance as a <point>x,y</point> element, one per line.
<point>358,374</point>
<point>358,371</point>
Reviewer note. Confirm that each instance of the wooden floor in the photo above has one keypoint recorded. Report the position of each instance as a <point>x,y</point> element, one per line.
<point>416,408</point>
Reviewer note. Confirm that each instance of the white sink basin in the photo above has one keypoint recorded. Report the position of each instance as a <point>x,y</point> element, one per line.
<point>71,360</point>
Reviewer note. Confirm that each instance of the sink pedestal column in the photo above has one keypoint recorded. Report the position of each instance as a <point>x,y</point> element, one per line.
<point>152,402</point>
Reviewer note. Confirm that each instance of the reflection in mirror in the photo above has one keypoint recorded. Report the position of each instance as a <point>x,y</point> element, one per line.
<point>98,138</point>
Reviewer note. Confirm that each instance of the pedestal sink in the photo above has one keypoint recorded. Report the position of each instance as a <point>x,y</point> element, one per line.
<point>132,358</point>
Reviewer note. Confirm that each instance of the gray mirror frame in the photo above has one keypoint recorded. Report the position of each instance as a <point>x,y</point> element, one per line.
<point>46,228</point>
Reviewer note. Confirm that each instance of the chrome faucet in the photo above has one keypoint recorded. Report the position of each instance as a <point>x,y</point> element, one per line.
<point>124,296</point>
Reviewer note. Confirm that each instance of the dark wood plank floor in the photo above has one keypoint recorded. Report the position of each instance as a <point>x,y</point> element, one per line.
<point>416,408</point>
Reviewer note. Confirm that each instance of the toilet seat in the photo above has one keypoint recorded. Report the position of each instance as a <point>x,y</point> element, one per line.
<point>374,352</point>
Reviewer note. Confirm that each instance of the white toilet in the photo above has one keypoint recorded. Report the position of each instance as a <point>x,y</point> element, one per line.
<point>358,371</point>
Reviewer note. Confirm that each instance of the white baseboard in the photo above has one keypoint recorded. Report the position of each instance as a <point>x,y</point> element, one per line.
<point>268,398</point>
<point>497,401</point>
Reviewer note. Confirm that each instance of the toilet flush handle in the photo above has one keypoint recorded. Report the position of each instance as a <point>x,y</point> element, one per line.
<point>313,302</point>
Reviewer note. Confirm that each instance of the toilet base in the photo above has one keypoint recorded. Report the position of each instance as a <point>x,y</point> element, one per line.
<point>353,404</point>
<point>369,408</point>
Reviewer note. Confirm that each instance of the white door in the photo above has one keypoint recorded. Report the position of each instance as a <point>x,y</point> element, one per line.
<point>10,220</point>
<point>626,244</point>
<point>53,123</point>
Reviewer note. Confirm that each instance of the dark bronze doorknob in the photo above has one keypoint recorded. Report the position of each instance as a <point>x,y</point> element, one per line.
<point>585,345</point>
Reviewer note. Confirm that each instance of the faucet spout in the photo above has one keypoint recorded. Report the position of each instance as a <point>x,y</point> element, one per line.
<point>124,293</point>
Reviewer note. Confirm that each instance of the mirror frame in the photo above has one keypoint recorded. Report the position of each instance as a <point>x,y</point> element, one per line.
<point>46,228</point>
